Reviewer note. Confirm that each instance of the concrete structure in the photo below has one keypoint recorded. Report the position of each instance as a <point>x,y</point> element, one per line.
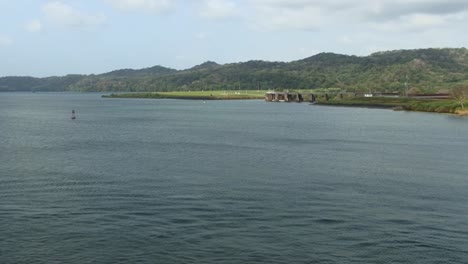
<point>285,97</point>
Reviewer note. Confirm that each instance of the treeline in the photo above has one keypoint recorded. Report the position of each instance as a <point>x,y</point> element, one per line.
<point>423,70</point>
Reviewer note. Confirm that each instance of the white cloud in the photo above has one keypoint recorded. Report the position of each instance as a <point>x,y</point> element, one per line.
<point>382,14</point>
<point>5,41</point>
<point>391,9</point>
<point>415,22</point>
<point>34,26</point>
<point>285,15</point>
<point>217,8</point>
<point>424,20</point>
<point>66,16</point>
<point>300,4</point>
<point>156,6</point>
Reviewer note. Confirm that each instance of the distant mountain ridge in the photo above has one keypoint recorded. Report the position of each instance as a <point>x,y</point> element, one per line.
<point>427,70</point>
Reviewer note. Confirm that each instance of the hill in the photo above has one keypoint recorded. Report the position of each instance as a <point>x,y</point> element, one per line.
<point>425,70</point>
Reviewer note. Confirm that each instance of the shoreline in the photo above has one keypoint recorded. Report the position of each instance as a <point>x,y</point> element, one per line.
<point>369,106</point>
<point>421,106</point>
<point>203,96</point>
<point>441,106</point>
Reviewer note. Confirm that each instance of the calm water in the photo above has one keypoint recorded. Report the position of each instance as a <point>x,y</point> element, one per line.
<point>169,181</point>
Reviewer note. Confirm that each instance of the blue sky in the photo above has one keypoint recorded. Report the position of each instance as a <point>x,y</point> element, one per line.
<point>44,38</point>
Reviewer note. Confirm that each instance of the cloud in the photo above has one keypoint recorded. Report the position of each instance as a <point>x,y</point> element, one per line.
<point>156,6</point>
<point>34,26</point>
<point>418,22</point>
<point>66,16</point>
<point>415,15</point>
<point>285,15</point>
<point>390,10</point>
<point>381,14</point>
<point>301,4</point>
<point>5,41</point>
<point>217,8</point>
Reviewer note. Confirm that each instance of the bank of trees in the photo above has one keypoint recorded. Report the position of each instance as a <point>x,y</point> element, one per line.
<point>426,70</point>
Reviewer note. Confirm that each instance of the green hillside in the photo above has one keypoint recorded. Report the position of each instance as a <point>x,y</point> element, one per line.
<point>425,70</point>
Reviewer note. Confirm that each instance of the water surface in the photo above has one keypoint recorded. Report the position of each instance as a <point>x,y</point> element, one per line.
<point>179,181</point>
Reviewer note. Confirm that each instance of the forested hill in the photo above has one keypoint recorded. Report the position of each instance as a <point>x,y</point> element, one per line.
<point>428,70</point>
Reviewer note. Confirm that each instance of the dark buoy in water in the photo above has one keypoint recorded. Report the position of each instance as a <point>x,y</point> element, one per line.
<point>73,116</point>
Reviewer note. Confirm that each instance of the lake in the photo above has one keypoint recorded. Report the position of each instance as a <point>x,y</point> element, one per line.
<point>181,181</point>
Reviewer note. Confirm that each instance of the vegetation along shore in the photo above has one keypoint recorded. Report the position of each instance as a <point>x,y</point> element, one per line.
<point>406,104</point>
<point>453,103</point>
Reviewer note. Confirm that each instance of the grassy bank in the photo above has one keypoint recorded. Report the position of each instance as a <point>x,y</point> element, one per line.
<point>195,95</point>
<point>401,103</point>
<point>438,106</point>
<point>378,102</point>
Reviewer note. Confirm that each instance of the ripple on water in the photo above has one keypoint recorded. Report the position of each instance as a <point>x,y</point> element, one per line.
<point>143,181</point>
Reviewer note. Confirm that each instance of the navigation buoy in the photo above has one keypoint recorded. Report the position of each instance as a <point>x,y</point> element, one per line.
<point>73,116</point>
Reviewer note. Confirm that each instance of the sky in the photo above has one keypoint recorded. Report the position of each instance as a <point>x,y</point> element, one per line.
<point>58,37</point>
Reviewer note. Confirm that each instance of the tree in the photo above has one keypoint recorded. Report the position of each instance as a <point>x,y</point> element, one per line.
<point>460,94</point>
